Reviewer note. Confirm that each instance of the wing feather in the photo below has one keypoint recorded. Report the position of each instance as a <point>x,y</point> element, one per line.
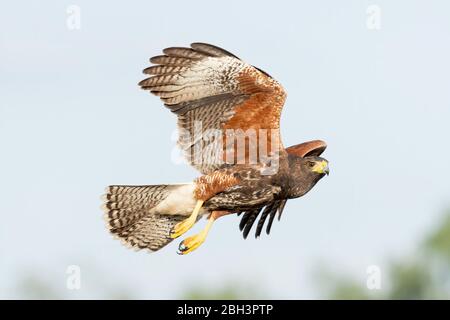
<point>211,50</point>
<point>310,148</point>
<point>250,216</point>
<point>247,221</point>
<point>208,85</point>
<point>170,61</point>
<point>166,69</point>
<point>183,53</point>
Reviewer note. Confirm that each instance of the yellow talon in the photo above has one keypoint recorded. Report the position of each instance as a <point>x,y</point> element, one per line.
<point>193,242</point>
<point>186,224</point>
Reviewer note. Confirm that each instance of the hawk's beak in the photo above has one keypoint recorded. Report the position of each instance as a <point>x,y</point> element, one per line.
<point>322,168</point>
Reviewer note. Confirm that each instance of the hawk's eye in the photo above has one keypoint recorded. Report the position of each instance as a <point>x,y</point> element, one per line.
<point>310,164</point>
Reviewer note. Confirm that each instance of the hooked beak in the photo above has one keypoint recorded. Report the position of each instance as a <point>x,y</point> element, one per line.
<point>322,168</point>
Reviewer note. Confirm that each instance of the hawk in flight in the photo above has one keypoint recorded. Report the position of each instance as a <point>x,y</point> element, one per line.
<point>228,115</point>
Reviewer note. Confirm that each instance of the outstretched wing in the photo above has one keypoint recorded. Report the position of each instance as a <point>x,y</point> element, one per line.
<point>310,148</point>
<point>218,99</point>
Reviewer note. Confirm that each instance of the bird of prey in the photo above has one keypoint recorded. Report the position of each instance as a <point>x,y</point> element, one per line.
<point>228,114</point>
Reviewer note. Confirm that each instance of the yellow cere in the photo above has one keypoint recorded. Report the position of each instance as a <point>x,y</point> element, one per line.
<point>321,167</point>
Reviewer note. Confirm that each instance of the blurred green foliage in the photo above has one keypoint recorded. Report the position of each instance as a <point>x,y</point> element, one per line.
<point>230,291</point>
<point>36,285</point>
<point>439,242</point>
<point>425,275</point>
<point>32,287</point>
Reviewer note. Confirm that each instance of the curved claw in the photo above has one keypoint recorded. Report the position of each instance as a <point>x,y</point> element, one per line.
<point>193,242</point>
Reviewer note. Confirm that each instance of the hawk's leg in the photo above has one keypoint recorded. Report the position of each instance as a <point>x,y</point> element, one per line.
<point>205,188</point>
<point>191,243</point>
<point>186,224</point>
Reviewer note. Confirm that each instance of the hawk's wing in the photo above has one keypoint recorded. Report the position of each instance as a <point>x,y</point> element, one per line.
<point>249,217</point>
<point>215,94</point>
<point>310,148</point>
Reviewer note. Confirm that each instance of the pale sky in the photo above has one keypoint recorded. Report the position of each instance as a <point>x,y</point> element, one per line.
<point>73,120</point>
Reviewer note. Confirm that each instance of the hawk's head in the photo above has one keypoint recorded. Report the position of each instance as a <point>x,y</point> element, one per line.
<point>305,172</point>
<point>316,166</point>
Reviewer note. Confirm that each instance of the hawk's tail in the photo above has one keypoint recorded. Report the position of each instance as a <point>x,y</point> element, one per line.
<point>132,215</point>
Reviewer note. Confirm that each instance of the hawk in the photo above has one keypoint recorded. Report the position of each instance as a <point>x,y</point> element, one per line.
<point>228,116</point>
